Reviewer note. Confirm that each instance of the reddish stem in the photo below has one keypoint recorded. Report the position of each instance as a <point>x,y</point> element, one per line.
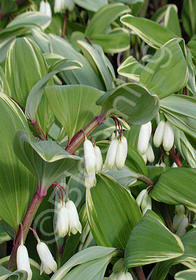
<point>176,157</point>
<point>39,130</point>
<point>28,218</point>
<point>64,24</point>
<point>78,138</point>
<point>140,273</point>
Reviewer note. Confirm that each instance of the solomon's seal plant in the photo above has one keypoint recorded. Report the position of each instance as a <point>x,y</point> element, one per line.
<point>97,146</point>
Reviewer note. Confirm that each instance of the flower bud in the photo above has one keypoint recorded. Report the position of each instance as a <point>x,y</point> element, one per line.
<point>180,209</point>
<point>22,260</point>
<point>158,136</point>
<point>144,137</point>
<point>61,6</point>
<point>150,154</point>
<point>62,222</point>
<point>111,155</point>
<point>144,201</point>
<point>181,230</point>
<point>48,263</point>
<point>121,153</point>
<point>99,160</point>
<point>45,8</point>
<point>89,181</point>
<point>89,157</point>
<point>121,276</point>
<point>168,137</point>
<point>74,222</point>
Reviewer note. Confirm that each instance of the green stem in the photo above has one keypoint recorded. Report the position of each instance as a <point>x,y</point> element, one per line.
<point>28,218</point>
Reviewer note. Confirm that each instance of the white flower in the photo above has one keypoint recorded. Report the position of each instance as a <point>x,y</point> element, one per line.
<point>181,230</point>
<point>48,263</point>
<point>144,137</point>
<point>180,221</point>
<point>180,209</point>
<point>74,222</point>
<point>22,260</point>
<point>144,156</point>
<point>62,222</point>
<point>168,137</point>
<point>111,155</point>
<point>99,160</point>
<point>45,8</point>
<point>144,201</point>
<point>89,180</point>
<point>121,153</point>
<point>89,157</point>
<point>63,5</point>
<point>121,276</point>
<point>158,136</point>
<point>150,154</point>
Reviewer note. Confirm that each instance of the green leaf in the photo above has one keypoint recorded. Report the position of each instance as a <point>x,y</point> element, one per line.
<point>106,201</point>
<point>97,60</point>
<point>115,41</point>
<point>192,47</point>
<point>151,241</point>
<point>189,274</point>
<point>167,71</point>
<point>132,102</point>
<point>83,257</point>
<point>104,17</point>
<point>131,68</point>
<point>21,82</point>
<point>4,236</point>
<point>188,17</point>
<point>135,162</point>
<point>4,46</point>
<point>192,73</point>
<point>176,186</point>
<point>86,75</point>
<point>30,19</point>
<point>124,177</point>
<point>35,95</point>
<point>74,106</point>
<point>17,184</point>
<point>91,5</point>
<point>171,21</point>
<point>180,111</point>
<point>47,160</point>
<point>151,32</point>
<point>189,241</point>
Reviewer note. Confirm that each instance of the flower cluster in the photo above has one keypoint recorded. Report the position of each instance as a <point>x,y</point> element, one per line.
<point>45,8</point>
<point>164,134</point>
<point>93,163</point>
<point>61,6</point>
<point>144,147</point>
<point>67,219</point>
<point>180,220</point>
<point>48,263</point>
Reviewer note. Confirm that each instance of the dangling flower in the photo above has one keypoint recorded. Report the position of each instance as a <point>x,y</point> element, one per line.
<point>45,8</point>
<point>22,260</point>
<point>121,153</point>
<point>89,157</point>
<point>89,180</point>
<point>144,201</point>
<point>150,154</point>
<point>144,137</point>
<point>74,222</point>
<point>111,155</point>
<point>168,137</point>
<point>158,135</point>
<point>48,263</point>
<point>62,222</point>
<point>180,220</point>
<point>121,276</point>
<point>98,159</point>
<point>61,6</point>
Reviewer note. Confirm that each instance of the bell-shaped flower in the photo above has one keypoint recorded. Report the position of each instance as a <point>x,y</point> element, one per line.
<point>158,135</point>
<point>62,220</point>
<point>22,260</point>
<point>144,137</point>
<point>45,8</point>
<point>144,201</point>
<point>121,153</point>
<point>89,180</point>
<point>111,155</point>
<point>168,137</point>
<point>89,157</point>
<point>74,222</point>
<point>121,276</point>
<point>61,6</point>
<point>48,263</point>
<point>99,159</point>
<point>180,220</point>
<point>180,209</point>
<point>181,230</point>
